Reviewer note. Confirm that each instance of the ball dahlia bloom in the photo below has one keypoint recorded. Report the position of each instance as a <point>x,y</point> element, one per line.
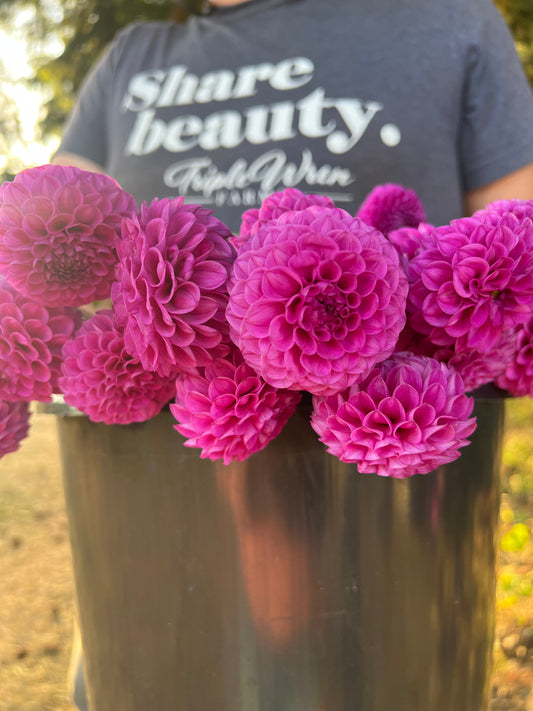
<point>409,240</point>
<point>518,208</point>
<point>31,340</point>
<point>472,282</point>
<point>475,368</point>
<point>14,425</point>
<point>100,377</point>
<point>518,376</point>
<point>58,231</point>
<point>229,411</point>
<point>170,291</point>
<point>317,297</point>
<point>409,416</point>
<point>389,207</point>
<point>272,207</point>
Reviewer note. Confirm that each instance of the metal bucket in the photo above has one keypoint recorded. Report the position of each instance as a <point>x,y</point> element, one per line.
<point>288,582</point>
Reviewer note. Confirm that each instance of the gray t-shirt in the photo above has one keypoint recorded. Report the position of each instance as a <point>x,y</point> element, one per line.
<point>330,97</point>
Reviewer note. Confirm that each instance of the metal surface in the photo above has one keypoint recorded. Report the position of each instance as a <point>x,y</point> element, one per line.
<point>286,583</point>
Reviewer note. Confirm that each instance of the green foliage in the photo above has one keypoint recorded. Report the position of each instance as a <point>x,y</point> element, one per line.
<point>518,453</point>
<point>519,17</point>
<point>514,583</point>
<point>85,29</point>
<point>65,38</point>
<point>515,539</point>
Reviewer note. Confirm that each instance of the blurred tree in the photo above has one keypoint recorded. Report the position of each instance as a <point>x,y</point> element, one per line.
<point>519,16</point>
<point>84,28</point>
<point>9,128</point>
<point>65,37</point>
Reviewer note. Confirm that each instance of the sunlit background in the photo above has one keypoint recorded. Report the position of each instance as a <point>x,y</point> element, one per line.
<point>23,102</point>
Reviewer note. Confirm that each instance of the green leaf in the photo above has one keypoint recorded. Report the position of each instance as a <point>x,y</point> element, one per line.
<point>515,539</point>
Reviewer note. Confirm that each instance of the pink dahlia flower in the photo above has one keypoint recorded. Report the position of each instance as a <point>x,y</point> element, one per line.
<point>104,381</point>
<point>64,323</point>
<point>409,416</point>
<point>228,411</point>
<point>518,208</point>
<point>316,299</point>
<point>518,376</point>
<point>408,240</point>
<point>472,282</point>
<point>170,292</point>
<point>58,231</point>
<point>272,207</point>
<point>475,368</point>
<point>14,425</point>
<point>389,207</point>
<point>31,339</point>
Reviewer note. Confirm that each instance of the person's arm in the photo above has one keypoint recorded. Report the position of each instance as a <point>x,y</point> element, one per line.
<point>84,143</point>
<point>64,158</point>
<point>496,129</point>
<point>516,185</point>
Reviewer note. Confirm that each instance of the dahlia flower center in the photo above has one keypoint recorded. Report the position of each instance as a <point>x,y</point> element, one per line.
<point>329,310</point>
<point>323,311</point>
<point>67,269</point>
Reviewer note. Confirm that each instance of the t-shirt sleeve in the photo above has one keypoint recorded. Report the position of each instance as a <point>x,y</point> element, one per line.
<point>85,132</point>
<point>496,137</point>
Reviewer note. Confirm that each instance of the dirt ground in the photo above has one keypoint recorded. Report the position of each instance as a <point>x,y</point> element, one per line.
<point>36,582</point>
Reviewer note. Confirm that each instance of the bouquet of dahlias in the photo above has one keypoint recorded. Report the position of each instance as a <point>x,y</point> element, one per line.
<point>386,320</point>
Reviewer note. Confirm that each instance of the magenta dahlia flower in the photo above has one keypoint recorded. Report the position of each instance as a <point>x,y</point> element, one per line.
<point>518,208</point>
<point>228,411</point>
<point>170,292</point>
<point>64,323</point>
<point>518,376</point>
<point>104,381</point>
<point>472,282</point>
<point>475,368</point>
<point>408,240</point>
<point>31,339</point>
<point>58,231</point>
<point>389,207</point>
<point>14,425</point>
<point>317,297</point>
<point>272,207</point>
<point>409,416</point>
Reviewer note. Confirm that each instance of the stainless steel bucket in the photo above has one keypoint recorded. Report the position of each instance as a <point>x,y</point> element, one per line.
<point>286,583</point>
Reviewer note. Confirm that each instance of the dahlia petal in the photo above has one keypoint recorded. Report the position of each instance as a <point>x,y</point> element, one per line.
<point>14,425</point>
<point>459,324</point>
<point>210,276</point>
<point>186,297</point>
<point>468,270</point>
<point>434,275</point>
<point>281,332</point>
<point>392,408</point>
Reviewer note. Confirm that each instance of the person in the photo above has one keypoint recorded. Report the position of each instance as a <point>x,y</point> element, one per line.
<point>331,98</point>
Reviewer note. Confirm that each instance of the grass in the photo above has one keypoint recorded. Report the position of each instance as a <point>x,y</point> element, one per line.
<point>513,667</point>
